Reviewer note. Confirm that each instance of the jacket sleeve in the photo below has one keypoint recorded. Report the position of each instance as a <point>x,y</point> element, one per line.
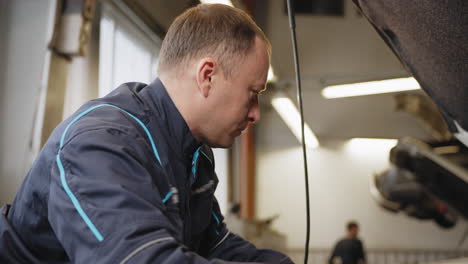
<point>104,206</point>
<point>231,247</point>
<point>362,254</point>
<point>334,254</point>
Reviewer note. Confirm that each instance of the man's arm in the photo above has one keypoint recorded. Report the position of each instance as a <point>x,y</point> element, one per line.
<point>333,254</point>
<point>105,208</point>
<point>362,254</point>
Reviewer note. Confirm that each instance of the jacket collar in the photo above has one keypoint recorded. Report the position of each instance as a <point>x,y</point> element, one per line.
<point>179,135</point>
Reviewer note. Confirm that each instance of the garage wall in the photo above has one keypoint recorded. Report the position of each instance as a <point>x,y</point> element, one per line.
<point>24,25</point>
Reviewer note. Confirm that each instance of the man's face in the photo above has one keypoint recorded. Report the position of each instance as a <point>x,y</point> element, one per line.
<point>354,231</point>
<point>235,99</point>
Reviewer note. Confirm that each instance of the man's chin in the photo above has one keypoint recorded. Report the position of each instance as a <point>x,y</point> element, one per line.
<point>226,143</point>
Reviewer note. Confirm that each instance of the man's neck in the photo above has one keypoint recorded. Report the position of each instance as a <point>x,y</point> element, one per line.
<point>181,93</point>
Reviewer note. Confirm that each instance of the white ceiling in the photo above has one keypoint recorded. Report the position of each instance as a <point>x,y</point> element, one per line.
<point>337,50</point>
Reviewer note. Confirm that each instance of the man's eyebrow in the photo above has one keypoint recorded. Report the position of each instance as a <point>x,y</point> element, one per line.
<point>263,88</point>
<point>260,88</point>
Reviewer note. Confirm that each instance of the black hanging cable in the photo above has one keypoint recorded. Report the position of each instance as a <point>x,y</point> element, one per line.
<point>292,25</point>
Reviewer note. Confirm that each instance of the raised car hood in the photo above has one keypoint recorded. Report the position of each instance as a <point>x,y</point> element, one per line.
<point>430,37</point>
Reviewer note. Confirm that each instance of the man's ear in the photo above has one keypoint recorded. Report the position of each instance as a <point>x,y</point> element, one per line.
<point>205,71</point>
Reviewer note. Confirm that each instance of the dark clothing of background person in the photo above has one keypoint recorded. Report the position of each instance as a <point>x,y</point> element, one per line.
<point>123,180</point>
<point>349,250</point>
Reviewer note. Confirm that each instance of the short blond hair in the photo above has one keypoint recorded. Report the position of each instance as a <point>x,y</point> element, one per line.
<point>217,30</point>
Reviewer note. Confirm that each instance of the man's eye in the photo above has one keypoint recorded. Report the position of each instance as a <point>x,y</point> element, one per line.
<point>254,97</point>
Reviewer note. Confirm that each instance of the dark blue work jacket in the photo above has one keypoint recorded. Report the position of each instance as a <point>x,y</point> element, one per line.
<point>123,180</point>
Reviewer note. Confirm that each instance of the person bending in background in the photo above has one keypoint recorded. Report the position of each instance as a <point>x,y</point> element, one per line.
<point>349,250</point>
<point>129,178</point>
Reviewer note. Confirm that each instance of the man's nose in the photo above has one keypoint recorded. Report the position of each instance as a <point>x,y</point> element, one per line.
<point>254,112</point>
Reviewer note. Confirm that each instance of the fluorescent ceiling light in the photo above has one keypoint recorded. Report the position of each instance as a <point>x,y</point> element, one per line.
<point>374,87</point>
<point>271,75</point>
<point>289,113</point>
<point>371,144</point>
<point>369,149</point>
<point>224,2</point>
